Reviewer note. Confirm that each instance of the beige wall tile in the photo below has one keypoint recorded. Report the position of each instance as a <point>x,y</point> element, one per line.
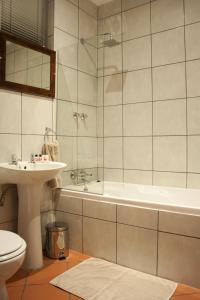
<point>137,119</point>
<point>108,9</point>
<point>169,82</point>
<point>115,175</point>
<point>69,204</point>
<point>169,179</point>
<point>113,152</point>
<point>179,223</point>
<point>112,60</point>
<point>193,112</point>
<point>136,22</point>
<point>87,89</point>
<point>111,25</point>
<point>99,238</point>
<point>89,7</point>
<point>127,4</point>
<point>192,11</point>
<point>113,121</point>
<point>68,151</point>
<point>66,124</point>
<point>193,73</point>
<point>137,54</point>
<point>75,229</point>
<point>87,127</point>
<point>137,86</point>
<point>137,248</point>
<point>170,153</point>
<point>137,216</point>
<point>10,144</point>
<point>87,28</point>
<point>31,144</point>
<point>193,154</point>
<point>138,177</point>
<point>178,258</point>
<point>192,41</point>
<point>167,14</point>
<point>87,58</point>
<point>138,153</point>
<point>113,89</point>
<point>168,47</point>
<point>67,84</point>
<point>169,117</point>
<point>193,181</point>
<point>87,152</point>
<point>99,210</point>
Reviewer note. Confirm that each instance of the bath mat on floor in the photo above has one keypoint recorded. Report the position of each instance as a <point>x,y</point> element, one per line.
<point>97,279</point>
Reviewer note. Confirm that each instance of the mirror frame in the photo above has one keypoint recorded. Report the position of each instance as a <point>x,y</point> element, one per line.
<point>22,87</point>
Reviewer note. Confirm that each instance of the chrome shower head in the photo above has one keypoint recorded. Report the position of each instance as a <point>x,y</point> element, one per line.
<point>110,42</point>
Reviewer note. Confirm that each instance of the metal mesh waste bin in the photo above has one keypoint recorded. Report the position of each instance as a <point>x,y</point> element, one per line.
<point>57,240</point>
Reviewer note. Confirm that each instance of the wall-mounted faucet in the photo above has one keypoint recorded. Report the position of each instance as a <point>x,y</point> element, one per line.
<point>76,115</point>
<point>82,116</point>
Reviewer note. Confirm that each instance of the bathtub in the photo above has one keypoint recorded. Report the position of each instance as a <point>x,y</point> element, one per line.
<point>162,198</point>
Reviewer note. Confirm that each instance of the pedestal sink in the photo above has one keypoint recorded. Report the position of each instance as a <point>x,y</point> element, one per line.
<point>30,178</point>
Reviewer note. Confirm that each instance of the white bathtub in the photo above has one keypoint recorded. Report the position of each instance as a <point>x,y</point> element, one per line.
<point>162,198</point>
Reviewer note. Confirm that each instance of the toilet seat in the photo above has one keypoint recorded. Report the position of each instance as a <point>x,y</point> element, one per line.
<point>11,245</point>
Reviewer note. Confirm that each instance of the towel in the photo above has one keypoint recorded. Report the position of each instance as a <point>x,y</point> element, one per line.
<point>52,150</point>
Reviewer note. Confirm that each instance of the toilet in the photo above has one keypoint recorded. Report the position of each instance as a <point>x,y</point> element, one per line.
<point>12,254</point>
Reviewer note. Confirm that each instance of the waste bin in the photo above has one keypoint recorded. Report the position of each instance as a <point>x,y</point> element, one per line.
<point>57,240</point>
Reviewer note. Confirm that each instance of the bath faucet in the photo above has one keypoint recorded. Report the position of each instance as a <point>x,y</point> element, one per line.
<point>81,177</point>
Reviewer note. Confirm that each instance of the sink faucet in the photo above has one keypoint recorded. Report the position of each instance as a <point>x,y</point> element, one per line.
<point>14,159</point>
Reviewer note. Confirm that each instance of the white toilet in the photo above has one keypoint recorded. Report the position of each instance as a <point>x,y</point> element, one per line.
<point>12,254</point>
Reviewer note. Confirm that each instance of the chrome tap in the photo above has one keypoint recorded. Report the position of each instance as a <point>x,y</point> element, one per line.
<point>14,160</point>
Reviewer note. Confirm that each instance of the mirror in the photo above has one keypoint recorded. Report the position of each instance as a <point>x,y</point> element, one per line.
<point>26,67</point>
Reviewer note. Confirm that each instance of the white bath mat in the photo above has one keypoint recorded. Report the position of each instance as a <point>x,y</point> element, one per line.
<point>96,279</point>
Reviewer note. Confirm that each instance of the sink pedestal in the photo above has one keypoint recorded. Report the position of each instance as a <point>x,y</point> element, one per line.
<point>29,223</point>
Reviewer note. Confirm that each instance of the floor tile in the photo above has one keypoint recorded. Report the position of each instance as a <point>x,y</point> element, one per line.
<point>18,279</point>
<point>45,292</point>
<point>186,297</point>
<point>15,292</point>
<point>183,289</point>
<point>47,273</point>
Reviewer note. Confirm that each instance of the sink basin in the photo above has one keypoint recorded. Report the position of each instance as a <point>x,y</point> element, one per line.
<point>29,173</point>
<point>30,178</point>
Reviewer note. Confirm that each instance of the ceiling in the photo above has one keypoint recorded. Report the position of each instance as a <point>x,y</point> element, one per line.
<point>100,2</point>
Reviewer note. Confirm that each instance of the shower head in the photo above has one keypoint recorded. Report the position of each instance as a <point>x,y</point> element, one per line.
<point>110,42</point>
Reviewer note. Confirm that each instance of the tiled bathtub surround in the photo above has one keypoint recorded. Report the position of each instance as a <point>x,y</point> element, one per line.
<point>149,92</point>
<point>149,240</point>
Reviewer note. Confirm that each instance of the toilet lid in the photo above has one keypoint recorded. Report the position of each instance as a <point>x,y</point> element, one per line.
<point>9,242</point>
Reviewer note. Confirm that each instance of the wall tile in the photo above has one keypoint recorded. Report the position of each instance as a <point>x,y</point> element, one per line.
<point>137,86</point>
<point>66,124</point>
<point>66,17</point>
<point>137,119</point>
<point>169,179</point>
<point>137,248</point>
<point>75,229</point>
<point>178,223</point>
<point>100,152</point>
<point>192,41</point>
<point>136,22</point>
<point>193,181</point>
<point>192,11</point>
<point>112,60</point>
<point>138,177</point>
<point>99,210</point>
<point>127,4</point>
<point>170,153</point>
<point>67,84</point>
<point>169,117</point>
<point>193,73</point>
<point>138,153</point>
<point>108,9</point>
<point>168,47</point>
<point>110,25</point>
<point>66,47</point>
<point>87,89</point>
<point>100,125</point>
<point>33,107</point>
<point>100,91</point>
<point>113,89</point>
<point>87,57</point>
<point>105,245</point>
<point>87,28</point>
<point>137,54</point>
<point>193,112</point>
<point>167,14</point>
<point>89,7</point>
<point>31,144</point>
<point>113,152</point>
<point>137,216</point>
<point>173,250</point>
<point>113,121</point>
<point>115,175</point>
<point>69,204</point>
<point>68,151</point>
<point>87,127</point>
<point>10,119</point>
<point>87,152</point>
<point>193,154</point>
<point>169,82</point>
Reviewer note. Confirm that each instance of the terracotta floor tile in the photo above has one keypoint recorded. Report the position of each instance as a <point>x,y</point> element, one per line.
<point>18,279</point>
<point>49,261</point>
<point>183,289</point>
<point>73,297</point>
<point>15,292</point>
<point>186,297</point>
<point>44,292</point>
<point>46,274</point>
